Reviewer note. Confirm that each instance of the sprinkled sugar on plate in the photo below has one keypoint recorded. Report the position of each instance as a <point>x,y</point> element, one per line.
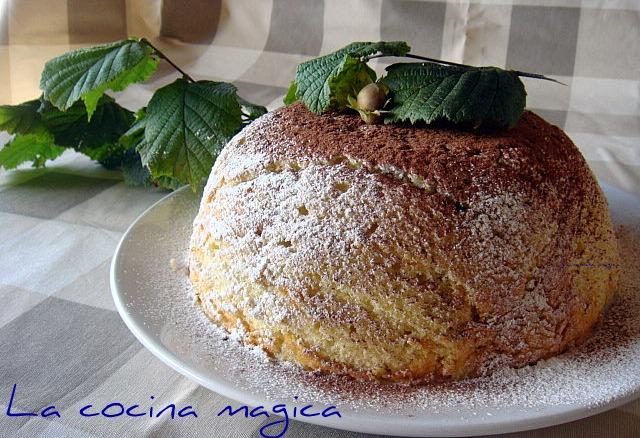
<point>154,298</point>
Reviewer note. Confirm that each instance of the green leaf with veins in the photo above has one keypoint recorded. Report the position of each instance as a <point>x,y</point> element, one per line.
<point>72,129</point>
<point>133,171</point>
<point>477,95</point>
<point>22,119</point>
<point>314,77</point>
<point>187,125</point>
<point>352,77</point>
<point>29,147</point>
<point>87,73</point>
<point>97,138</point>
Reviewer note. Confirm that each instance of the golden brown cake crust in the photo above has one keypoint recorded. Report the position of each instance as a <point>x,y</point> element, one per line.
<point>500,242</point>
<point>535,159</point>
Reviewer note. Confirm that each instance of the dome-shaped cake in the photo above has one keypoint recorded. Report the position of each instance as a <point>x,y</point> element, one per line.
<point>403,253</point>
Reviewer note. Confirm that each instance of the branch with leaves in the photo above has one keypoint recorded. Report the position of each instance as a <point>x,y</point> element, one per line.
<point>416,92</point>
<point>171,142</point>
<point>176,138</point>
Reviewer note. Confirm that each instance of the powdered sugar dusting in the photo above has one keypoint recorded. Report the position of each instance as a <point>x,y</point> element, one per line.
<point>607,366</point>
<point>471,273</point>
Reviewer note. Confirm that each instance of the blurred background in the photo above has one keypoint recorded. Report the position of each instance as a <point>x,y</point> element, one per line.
<point>593,46</point>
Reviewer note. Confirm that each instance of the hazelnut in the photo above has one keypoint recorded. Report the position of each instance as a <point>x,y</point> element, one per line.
<point>371,97</point>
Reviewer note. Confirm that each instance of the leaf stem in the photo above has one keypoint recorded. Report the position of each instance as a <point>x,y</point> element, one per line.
<point>537,76</point>
<point>438,61</point>
<point>467,67</point>
<point>166,58</point>
<point>422,58</point>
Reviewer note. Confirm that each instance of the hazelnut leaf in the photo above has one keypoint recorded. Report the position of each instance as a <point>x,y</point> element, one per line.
<point>428,92</point>
<point>352,77</point>
<point>314,78</point>
<point>96,138</point>
<point>23,118</point>
<point>88,72</point>
<point>29,147</point>
<point>186,126</point>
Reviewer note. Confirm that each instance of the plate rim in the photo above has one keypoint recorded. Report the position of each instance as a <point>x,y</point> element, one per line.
<point>536,418</point>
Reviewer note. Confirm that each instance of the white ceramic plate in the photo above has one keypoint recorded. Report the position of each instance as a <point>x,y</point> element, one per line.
<point>155,303</point>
